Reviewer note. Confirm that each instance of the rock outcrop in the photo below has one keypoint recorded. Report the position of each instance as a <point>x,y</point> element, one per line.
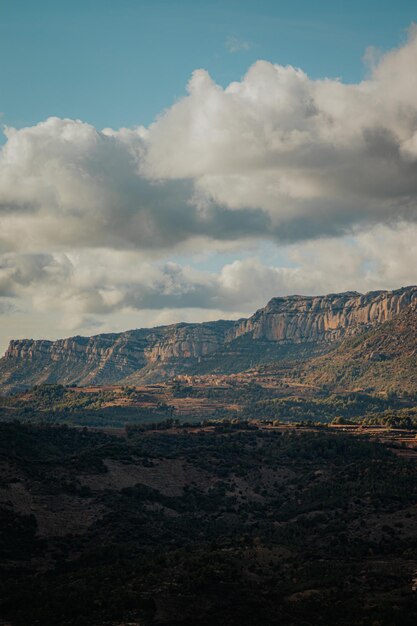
<point>108,358</point>
<point>382,359</point>
<point>158,353</point>
<point>324,318</point>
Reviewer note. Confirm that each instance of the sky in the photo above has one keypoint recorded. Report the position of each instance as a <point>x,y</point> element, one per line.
<point>171,160</point>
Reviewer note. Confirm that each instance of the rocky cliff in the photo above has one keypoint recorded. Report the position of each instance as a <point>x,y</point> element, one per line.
<point>382,359</point>
<point>109,358</point>
<point>153,354</point>
<point>324,318</point>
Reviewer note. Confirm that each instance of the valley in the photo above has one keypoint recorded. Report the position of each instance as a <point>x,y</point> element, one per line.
<point>262,471</point>
<point>205,525</point>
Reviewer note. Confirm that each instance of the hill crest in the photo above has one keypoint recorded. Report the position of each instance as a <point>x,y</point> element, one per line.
<point>295,324</point>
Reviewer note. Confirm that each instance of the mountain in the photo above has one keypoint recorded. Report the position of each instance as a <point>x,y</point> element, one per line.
<point>107,358</point>
<point>324,318</point>
<point>383,359</point>
<point>293,327</point>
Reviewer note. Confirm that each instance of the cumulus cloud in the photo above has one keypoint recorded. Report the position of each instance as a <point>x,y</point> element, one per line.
<point>85,287</point>
<point>88,218</point>
<point>277,155</point>
<point>318,156</point>
<point>99,282</point>
<point>65,184</point>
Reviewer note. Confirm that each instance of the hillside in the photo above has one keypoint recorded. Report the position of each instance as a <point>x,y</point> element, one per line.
<point>383,359</point>
<point>295,328</point>
<point>204,527</point>
<point>108,358</point>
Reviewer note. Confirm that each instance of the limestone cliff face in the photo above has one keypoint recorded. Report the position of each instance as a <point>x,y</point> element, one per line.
<point>188,341</point>
<point>324,318</point>
<point>107,358</point>
<point>179,341</point>
<point>152,354</point>
<point>382,359</point>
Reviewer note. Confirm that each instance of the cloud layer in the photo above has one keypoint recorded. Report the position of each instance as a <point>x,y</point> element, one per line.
<point>326,170</point>
<point>276,155</point>
<point>317,156</point>
<point>82,287</point>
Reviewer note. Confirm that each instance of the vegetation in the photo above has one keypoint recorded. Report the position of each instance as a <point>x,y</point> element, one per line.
<point>322,407</point>
<point>57,404</point>
<point>195,526</point>
<point>380,360</point>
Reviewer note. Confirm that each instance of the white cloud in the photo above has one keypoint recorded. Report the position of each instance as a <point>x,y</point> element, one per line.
<point>89,218</point>
<point>235,44</point>
<point>277,155</point>
<point>64,184</point>
<point>318,157</point>
<point>86,287</point>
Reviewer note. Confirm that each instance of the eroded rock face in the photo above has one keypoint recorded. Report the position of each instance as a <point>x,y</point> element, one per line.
<point>324,318</point>
<point>152,354</point>
<point>107,358</point>
<point>188,341</point>
<point>384,359</point>
<point>78,358</point>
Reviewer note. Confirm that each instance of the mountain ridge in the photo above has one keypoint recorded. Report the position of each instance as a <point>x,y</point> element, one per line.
<point>298,323</point>
<point>381,359</point>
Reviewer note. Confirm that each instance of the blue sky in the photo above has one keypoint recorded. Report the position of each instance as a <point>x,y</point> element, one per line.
<point>121,62</point>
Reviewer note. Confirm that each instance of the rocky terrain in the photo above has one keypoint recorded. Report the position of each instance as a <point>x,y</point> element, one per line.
<point>108,358</point>
<point>383,359</point>
<point>291,327</point>
<point>324,318</point>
